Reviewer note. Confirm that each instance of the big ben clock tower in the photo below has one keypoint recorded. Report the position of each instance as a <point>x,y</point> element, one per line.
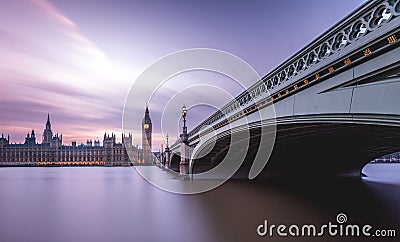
<point>146,137</point>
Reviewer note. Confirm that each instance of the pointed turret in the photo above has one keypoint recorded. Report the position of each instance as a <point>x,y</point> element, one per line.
<point>48,124</point>
<point>47,133</point>
<point>146,118</point>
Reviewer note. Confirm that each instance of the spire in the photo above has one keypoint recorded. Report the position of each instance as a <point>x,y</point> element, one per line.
<point>48,124</point>
<point>147,109</point>
<point>147,115</point>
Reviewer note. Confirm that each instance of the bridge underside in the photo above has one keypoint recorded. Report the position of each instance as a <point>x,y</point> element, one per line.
<point>313,149</point>
<point>175,160</point>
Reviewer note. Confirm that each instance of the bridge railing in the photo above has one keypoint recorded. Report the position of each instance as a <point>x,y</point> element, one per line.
<point>361,22</point>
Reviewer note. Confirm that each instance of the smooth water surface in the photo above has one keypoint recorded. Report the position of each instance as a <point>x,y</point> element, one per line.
<point>116,204</point>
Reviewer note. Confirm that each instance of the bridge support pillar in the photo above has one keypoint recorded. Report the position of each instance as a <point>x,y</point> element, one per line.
<point>184,164</point>
<point>167,158</point>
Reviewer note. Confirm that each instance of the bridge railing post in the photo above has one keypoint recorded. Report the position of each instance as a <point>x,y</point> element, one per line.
<point>184,163</point>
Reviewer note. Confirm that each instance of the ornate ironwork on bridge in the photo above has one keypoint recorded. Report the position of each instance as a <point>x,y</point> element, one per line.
<point>338,91</point>
<point>331,53</point>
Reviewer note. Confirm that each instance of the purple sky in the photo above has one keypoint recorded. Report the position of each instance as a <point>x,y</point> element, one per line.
<point>77,59</point>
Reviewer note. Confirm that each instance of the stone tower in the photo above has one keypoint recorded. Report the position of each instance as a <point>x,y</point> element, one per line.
<point>146,137</point>
<point>47,133</point>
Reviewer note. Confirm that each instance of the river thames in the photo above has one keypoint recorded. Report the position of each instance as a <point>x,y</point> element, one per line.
<point>117,204</point>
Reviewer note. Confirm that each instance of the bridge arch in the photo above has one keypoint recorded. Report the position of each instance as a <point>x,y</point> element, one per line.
<point>175,160</point>
<point>312,148</point>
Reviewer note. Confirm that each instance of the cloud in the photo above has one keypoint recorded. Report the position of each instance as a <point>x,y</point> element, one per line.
<point>53,12</point>
<point>48,65</point>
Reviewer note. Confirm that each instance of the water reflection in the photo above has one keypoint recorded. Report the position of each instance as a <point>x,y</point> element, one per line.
<point>116,204</point>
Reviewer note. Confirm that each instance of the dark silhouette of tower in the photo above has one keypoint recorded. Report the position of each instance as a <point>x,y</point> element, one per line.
<point>146,137</point>
<point>30,140</point>
<point>48,138</point>
<point>47,133</point>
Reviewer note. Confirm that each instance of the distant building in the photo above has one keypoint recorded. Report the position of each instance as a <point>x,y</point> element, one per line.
<point>391,158</point>
<point>51,152</point>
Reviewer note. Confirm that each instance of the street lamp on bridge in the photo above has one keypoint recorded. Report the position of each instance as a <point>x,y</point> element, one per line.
<point>184,164</point>
<point>184,112</point>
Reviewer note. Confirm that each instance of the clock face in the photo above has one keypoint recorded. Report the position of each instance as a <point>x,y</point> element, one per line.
<point>146,126</point>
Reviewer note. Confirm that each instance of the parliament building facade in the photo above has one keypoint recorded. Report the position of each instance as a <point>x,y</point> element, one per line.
<point>52,152</point>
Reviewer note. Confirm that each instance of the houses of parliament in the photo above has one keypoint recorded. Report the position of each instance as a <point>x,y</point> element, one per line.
<point>52,152</point>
